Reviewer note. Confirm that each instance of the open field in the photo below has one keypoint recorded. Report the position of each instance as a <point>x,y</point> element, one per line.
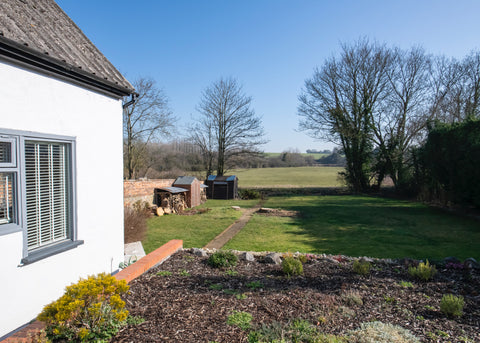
<point>196,230</point>
<point>293,177</point>
<point>360,226</point>
<point>315,156</point>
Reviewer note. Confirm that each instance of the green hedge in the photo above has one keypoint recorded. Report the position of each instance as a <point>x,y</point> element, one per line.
<point>451,161</point>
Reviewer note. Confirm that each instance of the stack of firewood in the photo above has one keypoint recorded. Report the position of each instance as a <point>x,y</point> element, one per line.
<point>171,203</point>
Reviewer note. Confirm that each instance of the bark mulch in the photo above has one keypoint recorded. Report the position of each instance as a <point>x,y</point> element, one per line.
<point>193,303</point>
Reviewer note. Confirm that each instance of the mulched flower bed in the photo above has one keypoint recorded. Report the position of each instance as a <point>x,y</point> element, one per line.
<point>193,303</point>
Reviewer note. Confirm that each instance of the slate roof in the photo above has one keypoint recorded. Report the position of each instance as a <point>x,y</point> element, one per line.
<point>38,33</point>
<point>173,190</point>
<point>184,180</point>
<point>221,178</point>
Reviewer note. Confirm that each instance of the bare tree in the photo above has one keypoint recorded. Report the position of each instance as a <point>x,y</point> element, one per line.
<point>340,100</point>
<point>143,121</point>
<point>202,135</point>
<point>405,112</point>
<point>227,117</point>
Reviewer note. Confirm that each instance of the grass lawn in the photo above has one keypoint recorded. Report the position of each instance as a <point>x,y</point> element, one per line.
<point>361,226</point>
<point>294,177</point>
<point>197,230</point>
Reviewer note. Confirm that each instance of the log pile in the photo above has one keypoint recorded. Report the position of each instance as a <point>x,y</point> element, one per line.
<point>171,203</point>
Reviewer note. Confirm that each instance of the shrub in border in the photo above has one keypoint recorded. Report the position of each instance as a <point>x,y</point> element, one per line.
<point>452,305</point>
<point>90,310</point>
<point>292,266</point>
<point>424,271</point>
<point>222,259</point>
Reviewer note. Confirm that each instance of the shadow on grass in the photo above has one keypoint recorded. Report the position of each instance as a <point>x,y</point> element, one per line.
<point>379,227</point>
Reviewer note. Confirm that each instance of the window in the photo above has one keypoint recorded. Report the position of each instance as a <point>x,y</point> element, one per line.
<point>7,215</point>
<point>47,186</point>
<point>37,192</point>
<point>8,184</point>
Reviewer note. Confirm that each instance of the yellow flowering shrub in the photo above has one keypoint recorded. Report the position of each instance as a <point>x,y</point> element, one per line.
<point>90,310</point>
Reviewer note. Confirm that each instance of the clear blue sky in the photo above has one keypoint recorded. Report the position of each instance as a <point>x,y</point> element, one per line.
<point>270,46</point>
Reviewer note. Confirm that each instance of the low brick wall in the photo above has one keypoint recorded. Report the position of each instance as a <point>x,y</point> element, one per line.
<point>134,190</point>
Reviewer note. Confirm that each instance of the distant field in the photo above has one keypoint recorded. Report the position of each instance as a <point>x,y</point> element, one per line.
<point>292,177</point>
<point>315,156</point>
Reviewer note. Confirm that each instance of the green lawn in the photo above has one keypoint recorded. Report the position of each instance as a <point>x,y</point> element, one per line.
<point>294,177</point>
<point>361,226</point>
<point>197,230</point>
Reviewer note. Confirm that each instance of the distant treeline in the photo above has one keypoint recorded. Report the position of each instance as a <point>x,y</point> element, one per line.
<point>180,157</point>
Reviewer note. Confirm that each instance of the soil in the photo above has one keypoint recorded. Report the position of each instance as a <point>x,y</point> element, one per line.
<point>185,307</point>
<point>275,212</point>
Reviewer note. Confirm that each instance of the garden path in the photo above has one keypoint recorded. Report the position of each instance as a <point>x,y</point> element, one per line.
<point>222,239</point>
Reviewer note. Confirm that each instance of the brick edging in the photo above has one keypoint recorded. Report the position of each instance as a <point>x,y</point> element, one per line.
<point>145,263</point>
<point>128,274</point>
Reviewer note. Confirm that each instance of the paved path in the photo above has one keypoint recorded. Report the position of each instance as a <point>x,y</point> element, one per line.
<point>222,239</point>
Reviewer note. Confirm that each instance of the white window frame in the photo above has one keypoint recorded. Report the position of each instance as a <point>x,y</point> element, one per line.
<point>71,241</point>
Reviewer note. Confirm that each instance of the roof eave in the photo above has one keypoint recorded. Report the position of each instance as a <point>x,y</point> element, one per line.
<point>23,55</point>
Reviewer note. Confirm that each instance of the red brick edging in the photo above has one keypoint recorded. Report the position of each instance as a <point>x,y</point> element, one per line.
<point>128,274</point>
<point>145,263</point>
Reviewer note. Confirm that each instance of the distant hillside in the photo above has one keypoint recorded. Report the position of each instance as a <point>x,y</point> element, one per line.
<point>316,156</point>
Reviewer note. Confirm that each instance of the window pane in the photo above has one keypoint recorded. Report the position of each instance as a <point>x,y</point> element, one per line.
<point>6,198</point>
<point>47,198</point>
<point>5,152</point>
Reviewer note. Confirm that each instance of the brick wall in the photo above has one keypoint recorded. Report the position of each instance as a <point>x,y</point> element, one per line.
<point>134,190</point>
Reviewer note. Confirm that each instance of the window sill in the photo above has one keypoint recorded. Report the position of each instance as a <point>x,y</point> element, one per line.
<point>50,251</point>
<point>6,229</point>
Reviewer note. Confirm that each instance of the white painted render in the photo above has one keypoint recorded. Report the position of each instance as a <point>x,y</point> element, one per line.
<point>34,102</point>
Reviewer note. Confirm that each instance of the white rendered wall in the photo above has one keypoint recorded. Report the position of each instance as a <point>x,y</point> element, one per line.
<point>34,102</point>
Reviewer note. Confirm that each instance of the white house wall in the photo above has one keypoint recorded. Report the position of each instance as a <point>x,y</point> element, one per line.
<point>34,102</point>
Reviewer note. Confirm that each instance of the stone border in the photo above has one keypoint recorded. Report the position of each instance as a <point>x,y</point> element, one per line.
<point>128,274</point>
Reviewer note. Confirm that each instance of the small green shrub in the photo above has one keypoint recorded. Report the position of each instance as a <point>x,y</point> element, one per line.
<point>90,310</point>
<point>164,273</point>
<point>292,266</point>
<point>249,194</point>
<point>135,320</point>
<point>222,259</point>
<point>216,286</point>
<point>352,298</point>
<point>361,267</point>
<point>424,271</point>
<point>230,291</point>
<point>231,272</point>
<point>406,284</point>
<point>389,299</point>
<point>241,296</point>
<point>299,330</point>
<point>452,305</point>
<point>379,332</point>
<point>184,272</point>
<point>240,319</point>
<point>255,284</point>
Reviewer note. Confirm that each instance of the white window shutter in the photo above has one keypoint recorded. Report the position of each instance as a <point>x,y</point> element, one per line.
<point>47,185</point>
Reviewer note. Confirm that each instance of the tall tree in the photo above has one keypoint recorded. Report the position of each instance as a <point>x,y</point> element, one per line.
<point>227,116</point>
<point>339,101</point>
<point>143,121</point>
<point>405,112</point>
